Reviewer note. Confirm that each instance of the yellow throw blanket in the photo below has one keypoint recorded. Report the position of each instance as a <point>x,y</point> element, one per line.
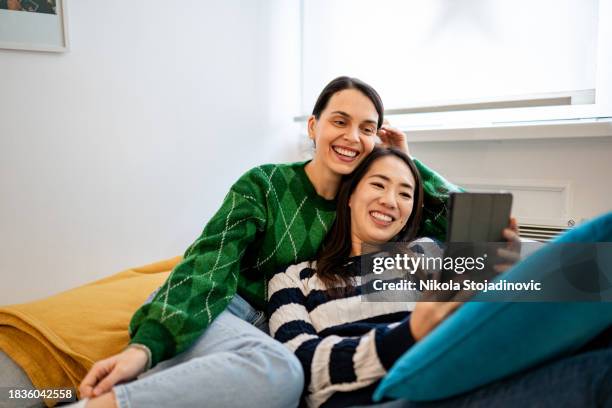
<point>56,340</point>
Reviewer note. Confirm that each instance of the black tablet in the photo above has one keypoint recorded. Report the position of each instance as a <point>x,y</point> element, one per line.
<point>478,217</point>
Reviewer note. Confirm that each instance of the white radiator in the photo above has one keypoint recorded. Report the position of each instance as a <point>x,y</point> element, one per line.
<point>542,233</point>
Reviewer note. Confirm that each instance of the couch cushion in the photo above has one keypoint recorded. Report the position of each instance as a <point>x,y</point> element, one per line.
<point>486,341</point>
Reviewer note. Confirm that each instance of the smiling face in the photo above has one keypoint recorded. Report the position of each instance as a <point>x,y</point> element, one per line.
<point>382,202</point>
<point>345,132</point>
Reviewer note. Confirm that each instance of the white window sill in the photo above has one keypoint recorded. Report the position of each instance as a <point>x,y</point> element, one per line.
<point>553,129</point>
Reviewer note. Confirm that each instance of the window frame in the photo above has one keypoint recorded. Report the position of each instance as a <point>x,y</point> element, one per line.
<point>463,120</point>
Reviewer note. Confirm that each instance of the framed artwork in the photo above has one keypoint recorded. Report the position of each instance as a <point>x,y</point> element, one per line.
<point>35,25</point>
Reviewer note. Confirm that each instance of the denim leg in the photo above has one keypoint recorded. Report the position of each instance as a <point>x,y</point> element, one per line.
<point>242,309</point>
<point>233,364</point>
<point>581,380</point>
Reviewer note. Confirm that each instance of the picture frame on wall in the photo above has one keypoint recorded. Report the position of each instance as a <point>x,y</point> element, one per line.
<point>34,25</point>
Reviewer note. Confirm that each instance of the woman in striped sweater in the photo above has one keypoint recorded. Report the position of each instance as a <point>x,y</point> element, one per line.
<point>346,345</point>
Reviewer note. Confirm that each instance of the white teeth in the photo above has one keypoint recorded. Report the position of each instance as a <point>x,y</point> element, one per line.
<point>344,152</point>
<point>381,216</point>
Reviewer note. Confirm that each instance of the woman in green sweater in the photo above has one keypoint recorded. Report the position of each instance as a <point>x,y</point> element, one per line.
<point>195,331</point>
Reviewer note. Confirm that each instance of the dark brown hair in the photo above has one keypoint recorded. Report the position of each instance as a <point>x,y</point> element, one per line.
<point>336,246</point>
<point>340,84</point>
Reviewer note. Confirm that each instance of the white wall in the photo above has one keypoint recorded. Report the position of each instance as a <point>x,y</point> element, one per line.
<point>117,153</point>
<point>553,181</point>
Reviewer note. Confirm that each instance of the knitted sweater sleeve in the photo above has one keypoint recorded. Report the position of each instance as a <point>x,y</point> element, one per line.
<point>201,286</point>
<point>436,191</point>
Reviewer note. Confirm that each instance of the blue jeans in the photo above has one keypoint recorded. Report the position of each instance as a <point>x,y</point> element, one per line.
<point>233,364</point>
<point>581,380</point>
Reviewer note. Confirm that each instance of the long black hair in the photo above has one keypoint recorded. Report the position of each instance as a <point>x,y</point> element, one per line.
<point>337,245</point>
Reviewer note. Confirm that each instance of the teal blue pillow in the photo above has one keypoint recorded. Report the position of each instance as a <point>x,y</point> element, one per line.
<point>486,341</point>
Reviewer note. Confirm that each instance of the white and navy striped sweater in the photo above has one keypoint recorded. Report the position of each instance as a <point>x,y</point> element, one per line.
<point>345,345</point>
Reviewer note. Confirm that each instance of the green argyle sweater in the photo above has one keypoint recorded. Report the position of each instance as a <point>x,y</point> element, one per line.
<point>272,217</point>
